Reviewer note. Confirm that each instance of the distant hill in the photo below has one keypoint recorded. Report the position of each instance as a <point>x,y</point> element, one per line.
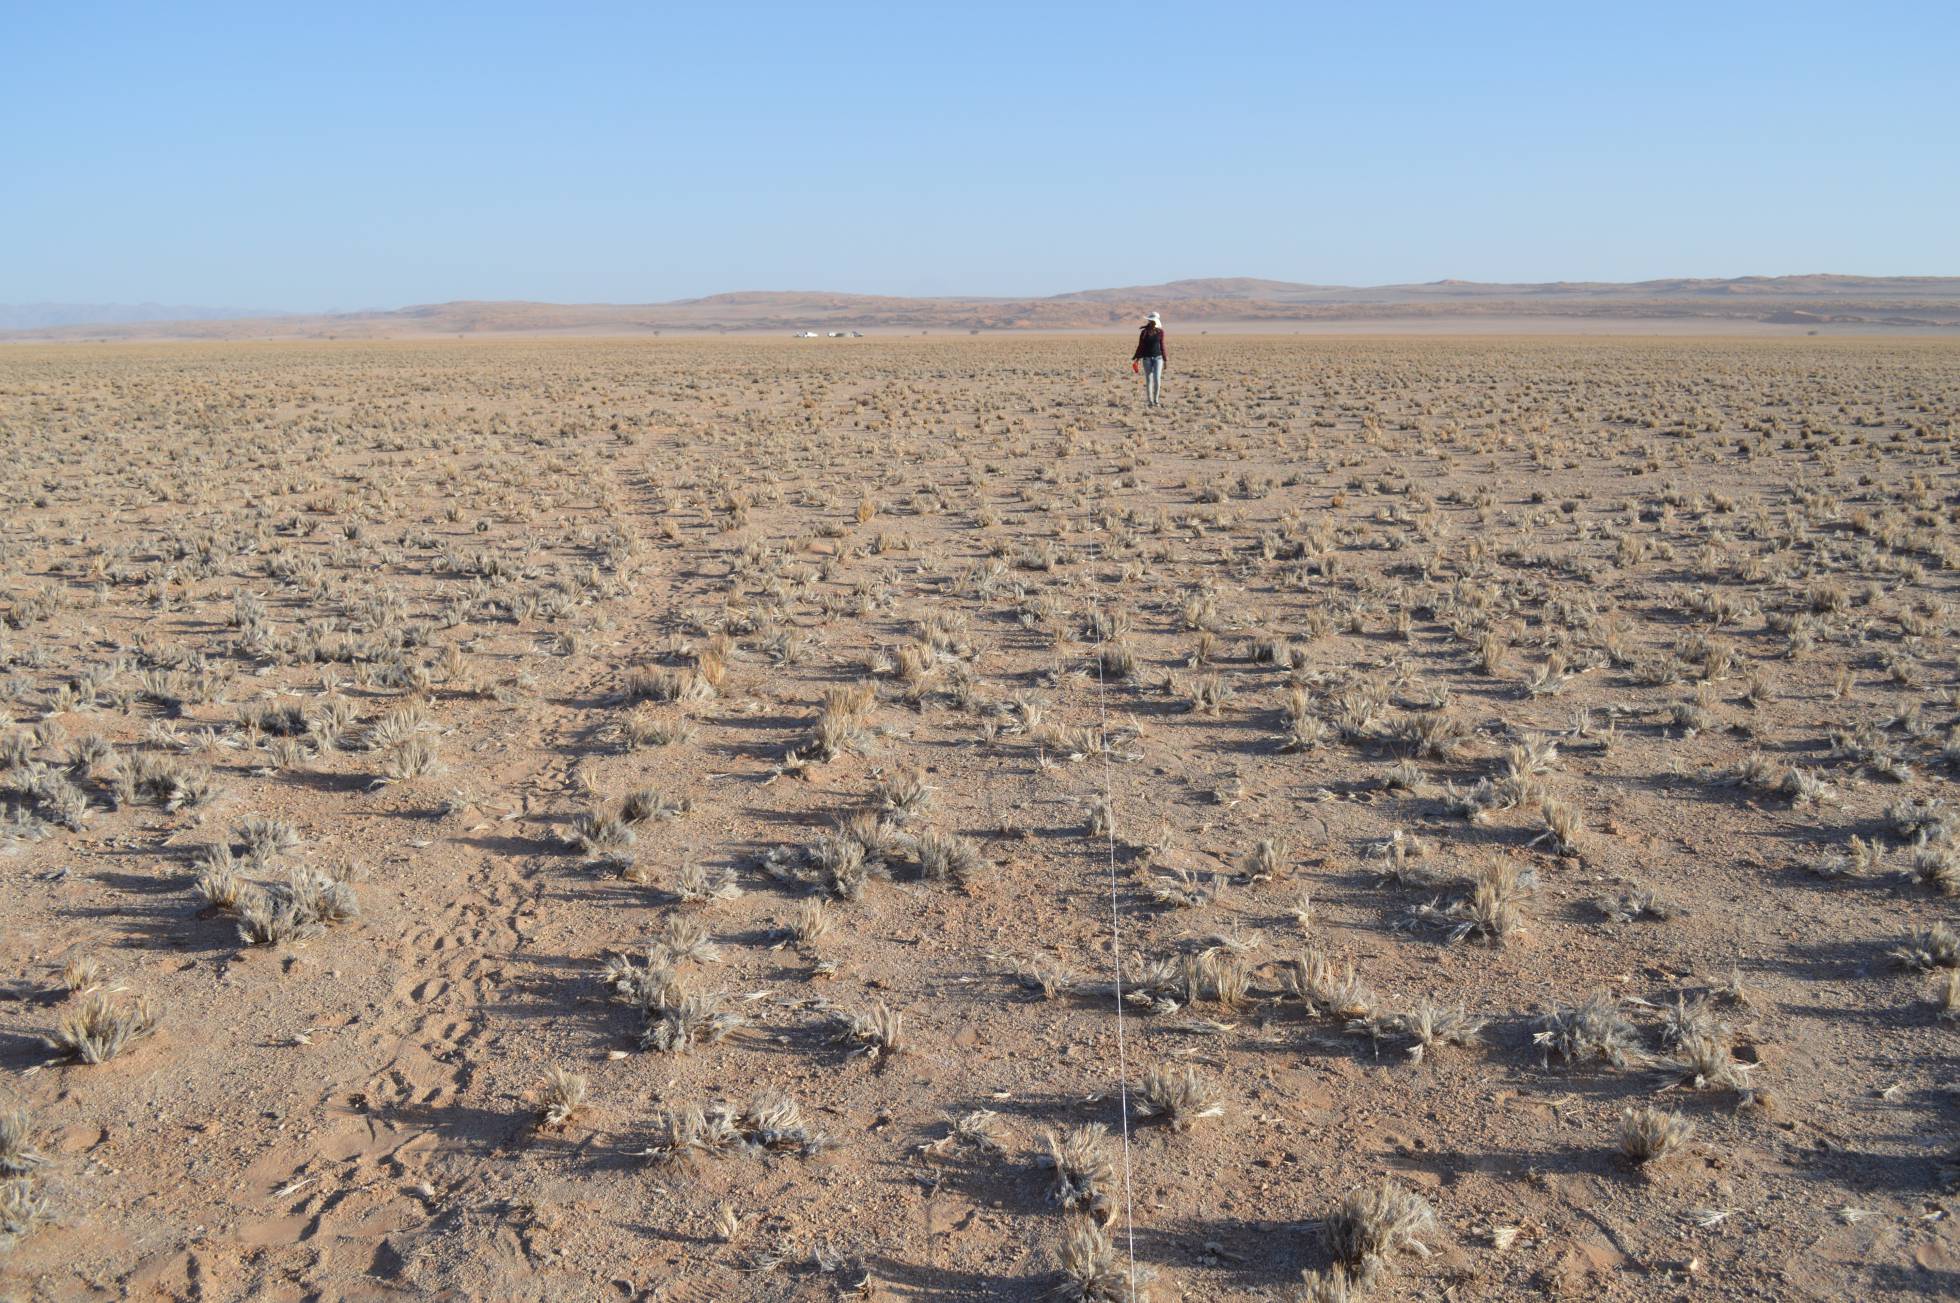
<point>1907,302</point>
<point>43,316</point>
<point>1224,288</point>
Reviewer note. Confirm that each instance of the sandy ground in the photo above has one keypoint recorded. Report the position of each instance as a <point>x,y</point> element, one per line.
<point>1510,672</point>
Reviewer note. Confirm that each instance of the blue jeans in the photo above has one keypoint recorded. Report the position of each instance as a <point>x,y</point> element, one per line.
<point>1153,378</point>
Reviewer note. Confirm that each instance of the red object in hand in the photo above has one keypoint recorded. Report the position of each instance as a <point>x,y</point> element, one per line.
<point>1136,367</point>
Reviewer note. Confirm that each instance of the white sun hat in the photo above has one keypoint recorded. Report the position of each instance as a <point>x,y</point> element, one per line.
<point>1154,319</point>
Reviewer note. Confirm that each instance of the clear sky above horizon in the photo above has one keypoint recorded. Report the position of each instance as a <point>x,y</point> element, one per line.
<point>314,157</point>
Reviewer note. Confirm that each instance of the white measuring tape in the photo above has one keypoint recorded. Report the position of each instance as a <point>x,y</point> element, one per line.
<point>1116,949</point>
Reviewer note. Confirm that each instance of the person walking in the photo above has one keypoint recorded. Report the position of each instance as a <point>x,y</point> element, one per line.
<point>1151,356</point>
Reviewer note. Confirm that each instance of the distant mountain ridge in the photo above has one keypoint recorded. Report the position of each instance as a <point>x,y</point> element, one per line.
<point>1911,302</point>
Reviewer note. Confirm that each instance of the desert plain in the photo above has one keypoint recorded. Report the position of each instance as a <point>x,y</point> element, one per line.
<point>1464,818</point>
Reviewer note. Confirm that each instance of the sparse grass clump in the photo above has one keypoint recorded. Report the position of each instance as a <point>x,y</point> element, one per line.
<point>1302,733</point>
<point>768,1124</point>
<point>1706,1060</point>
<point>649,984</point>
<point>1338,1283</point>
<point>1178,1095</point>
<point>265,838</point>
<point>219,882</point>
<point>1092,1269</point>
<point>1859,857</point>
<point>561,1097</point>
<point>1564,826</point>
<point>164,781</point>
<point>840,726</point>
<point>82,974</point>
<point>1929,948</point>
<point>1266,861</point>
<point>697,883</point>
<point>1686,1020</point>
<point>979,1130</point>
<point>809,923</point>
<point>695,1018</point>
<point>646,805</point>
<point>1084,1174</point>
<point>1433,734</point>
<point>1205,694</point>
<point>604,837</point>
<point>286,913</point>
<point>1493,913</point>
<point>1115,661</point>
<point>649,684</point>
<point>1946,995</point>
<point>645,726</point>
<point>18,1156</point>
<point>1325,987</point>
<point>1046,979</point>
<point>875,1035</point>
<point>409,759</point>
<point>1376,1222</point>
<point>944,856</point>
<point>902,793</point>
<point>684,940</point>
<point>1937,868</point>
<point>1636,903</point>
<point>1922,821</point>
<point>1650,1135</point>
<point>1433,1025</point>
<point>22,1207</point>
<point>1595,1031</point>
<point>104,1027</point>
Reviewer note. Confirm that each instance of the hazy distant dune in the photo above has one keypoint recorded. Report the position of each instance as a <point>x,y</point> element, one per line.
<point>46,316</point>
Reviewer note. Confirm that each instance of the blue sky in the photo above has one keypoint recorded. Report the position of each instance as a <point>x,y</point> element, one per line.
<point>348,156</point>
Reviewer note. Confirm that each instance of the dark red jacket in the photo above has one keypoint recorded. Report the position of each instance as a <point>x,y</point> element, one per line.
<point>1150,343</point>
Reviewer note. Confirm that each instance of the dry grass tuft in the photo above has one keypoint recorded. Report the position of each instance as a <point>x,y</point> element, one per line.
<point>1706,1060</point>
<point>1947,995</point>
<point>82,974</point>
<point>1595,1031</point>
<point>809,923</point>
<point>697,883</point>
<point>1636,903</point>
<point>1093,1271</point>
<point>18,1156</point>
<point>561,1097</point>
<point>103,1027</point>
<point>944,856</point>
<point>695,1018</point>
<point>768,1124</point>
<point>1377,1221</point>
<point>1651,1135</point>
<point>1564,826</point>
<point>1937,868</point>
<point>1493,914</point>
<point>876,1035</point>
<point>22,1207</point>
<point>1178,1095</point>
<point>1929,948</point>
<point>979,1130</point>
<point>1434,1025</point>
<point>1339,1283</point>
<point>1084,1173</point>
<point>1326,988</point>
